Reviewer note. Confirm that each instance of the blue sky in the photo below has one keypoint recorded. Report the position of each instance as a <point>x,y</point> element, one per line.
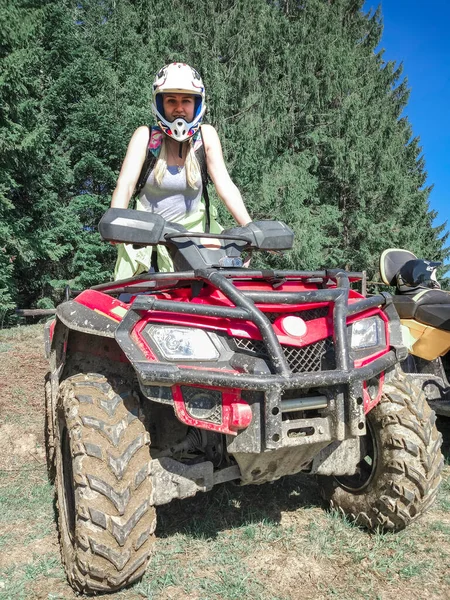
<point>417,33</point>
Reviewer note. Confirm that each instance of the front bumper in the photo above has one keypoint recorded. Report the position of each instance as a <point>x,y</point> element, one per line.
<point>343,386</point>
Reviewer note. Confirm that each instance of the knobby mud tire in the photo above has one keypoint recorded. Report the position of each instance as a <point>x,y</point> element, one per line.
<point>406,467</point>
<point>49,429</point>
<point>106,519</point>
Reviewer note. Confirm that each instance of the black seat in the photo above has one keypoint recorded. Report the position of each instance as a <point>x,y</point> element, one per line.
<point>430,307</point>
<point>425,305</point>
<point>406,307</point>
<point>433,308</point>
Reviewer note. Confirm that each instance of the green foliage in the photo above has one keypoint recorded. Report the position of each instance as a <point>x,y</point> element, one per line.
<point>310,116</point>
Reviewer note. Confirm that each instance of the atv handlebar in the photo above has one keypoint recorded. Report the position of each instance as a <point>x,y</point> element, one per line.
<point>214,236</point>
<point>149,229</point>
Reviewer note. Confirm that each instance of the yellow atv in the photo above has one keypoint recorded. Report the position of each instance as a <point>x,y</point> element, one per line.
<point>424,311</point>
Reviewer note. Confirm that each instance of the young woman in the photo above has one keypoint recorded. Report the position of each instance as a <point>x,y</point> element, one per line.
<point>173,188</point>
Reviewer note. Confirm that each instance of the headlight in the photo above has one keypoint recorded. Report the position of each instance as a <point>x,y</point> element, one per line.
<point>182,343</point>
<point>367,333</point>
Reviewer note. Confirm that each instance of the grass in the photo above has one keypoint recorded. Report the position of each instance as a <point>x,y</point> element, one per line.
<point>226,563</point>
<point>20,333</point>
<point>384,554</point>
<point>6,540</point>
<point>270,542</point>
<point>26,495</point>
<point>208,568</point>
<point>254,560</point>
<point>17,580</point>
<point>444,494</point>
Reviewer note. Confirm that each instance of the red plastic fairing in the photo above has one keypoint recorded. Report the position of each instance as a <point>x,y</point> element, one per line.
<point>264,286</point>
<point>140,341</point>
<point>315,330</point>
<point>51,330</point>
<point>204,368</point>
<point>103,304</point>
<point>369,402</point>
<point>236,413</point>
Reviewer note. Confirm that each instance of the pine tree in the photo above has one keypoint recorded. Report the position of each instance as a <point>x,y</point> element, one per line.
<point>368,167</point>
<point>310,117</point>
<point>24,135</point>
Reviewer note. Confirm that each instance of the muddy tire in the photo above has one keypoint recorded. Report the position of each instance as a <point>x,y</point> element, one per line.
<point>400,469</point>
<point>49,429</point>
<point>106,520</point>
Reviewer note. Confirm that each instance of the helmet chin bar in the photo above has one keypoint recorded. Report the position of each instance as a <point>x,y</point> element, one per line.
<point>179,129</point>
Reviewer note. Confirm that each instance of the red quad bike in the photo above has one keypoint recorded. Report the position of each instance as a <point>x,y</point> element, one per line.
<point>167,384</point>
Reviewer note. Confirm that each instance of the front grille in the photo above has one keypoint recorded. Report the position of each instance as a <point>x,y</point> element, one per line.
<point>252,346</point>
<point>319,356</point>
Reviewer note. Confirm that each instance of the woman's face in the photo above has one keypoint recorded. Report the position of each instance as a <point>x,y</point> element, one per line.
<point>179,105</point>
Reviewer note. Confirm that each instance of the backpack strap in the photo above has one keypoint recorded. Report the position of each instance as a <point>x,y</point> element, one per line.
<point>149,163</point>
<point>147,168</point>
<point>201,157</point>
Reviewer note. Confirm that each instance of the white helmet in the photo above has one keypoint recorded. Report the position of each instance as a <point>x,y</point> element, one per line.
<point>178,78</point>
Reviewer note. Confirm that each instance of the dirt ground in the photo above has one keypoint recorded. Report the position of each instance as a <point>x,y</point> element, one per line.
<point>271,542</point>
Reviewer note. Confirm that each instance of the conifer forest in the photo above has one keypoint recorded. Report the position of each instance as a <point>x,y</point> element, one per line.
<point>310,114</point>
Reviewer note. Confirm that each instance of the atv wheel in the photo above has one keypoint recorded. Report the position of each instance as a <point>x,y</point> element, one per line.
<point>49,429</point>
<point>106,520</point>
<point>401,462</point>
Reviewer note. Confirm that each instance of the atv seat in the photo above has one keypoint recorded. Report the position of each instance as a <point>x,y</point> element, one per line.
<point>427,306</point>
<point>430,307</point>
<point>391,261</point>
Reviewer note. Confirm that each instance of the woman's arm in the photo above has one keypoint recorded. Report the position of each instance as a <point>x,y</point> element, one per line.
<point>131,168</point>
<point>217,170</point>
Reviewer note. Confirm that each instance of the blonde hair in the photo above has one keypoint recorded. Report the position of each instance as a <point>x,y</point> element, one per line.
<point>191,165</point>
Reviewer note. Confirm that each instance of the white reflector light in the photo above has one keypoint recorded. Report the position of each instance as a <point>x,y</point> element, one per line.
<point>294,326</point>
